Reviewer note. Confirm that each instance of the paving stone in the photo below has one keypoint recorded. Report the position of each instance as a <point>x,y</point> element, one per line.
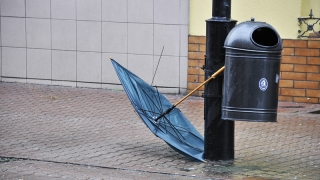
<point>63,131</point>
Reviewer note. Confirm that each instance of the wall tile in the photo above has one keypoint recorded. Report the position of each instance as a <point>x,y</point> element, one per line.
<point>64,65</point>
<point>14,62</point>
<point>115,11</point>
<point>184,12</point>
<point>109,75</point>
<point>13,32</point>
<point>38,8</point>
<point>171,42</point>
<point>39,81</point>
<point>63,34</point>
<point>114,37</point>
<point>183,65</point>
<point>89,10</point>
<point>63,83</point>
<point>89,36</point>
<point>184,32</point>
<point>142,66</point>
<point>167,11</point>
<point>140,11</point>
<point>62,9</point>
<point>140,38</point>
<point>0,62</point>
<point>39,63</point>
<point>89,67</point>
<point>13,8</point>
<point>38,33</point>
<point>168,71</point>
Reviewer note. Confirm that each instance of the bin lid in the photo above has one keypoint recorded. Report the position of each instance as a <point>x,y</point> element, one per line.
<point>254,36</point>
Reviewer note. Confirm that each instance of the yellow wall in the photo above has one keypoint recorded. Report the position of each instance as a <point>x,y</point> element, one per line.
<point>281,14</point>
<point>305,11</point>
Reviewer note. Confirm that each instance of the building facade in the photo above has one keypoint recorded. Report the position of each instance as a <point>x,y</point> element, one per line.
<point>70,42</point>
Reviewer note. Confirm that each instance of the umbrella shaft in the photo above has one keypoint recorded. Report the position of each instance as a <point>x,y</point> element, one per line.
<point>205,82</point>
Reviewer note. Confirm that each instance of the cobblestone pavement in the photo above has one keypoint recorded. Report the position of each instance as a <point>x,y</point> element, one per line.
<point>52,132</point>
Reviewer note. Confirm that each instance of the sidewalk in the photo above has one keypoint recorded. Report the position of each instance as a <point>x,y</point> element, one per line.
<point>52,132</point>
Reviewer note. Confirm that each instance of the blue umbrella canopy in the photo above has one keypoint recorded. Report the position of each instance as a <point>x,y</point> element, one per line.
<point>173,127</point>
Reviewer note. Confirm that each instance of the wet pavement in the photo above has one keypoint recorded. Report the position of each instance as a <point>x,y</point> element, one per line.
<point>53,132</point>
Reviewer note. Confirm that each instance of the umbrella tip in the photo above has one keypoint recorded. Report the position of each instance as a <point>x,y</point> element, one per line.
<point>110,58</point>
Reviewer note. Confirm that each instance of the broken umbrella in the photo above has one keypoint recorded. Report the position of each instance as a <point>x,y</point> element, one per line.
<point>160,116</point>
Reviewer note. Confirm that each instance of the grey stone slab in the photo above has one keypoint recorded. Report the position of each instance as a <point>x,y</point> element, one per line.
<point>115,11</point>
<point>88,36</point>
<point>108,73</point>
<point>183,73</point>
<point>0,63</point>
<point>140,38</point>
<point>38,33</point>
<point>167,36</point>
<point>184,34</point>
<point>89,67</point>
<point>114,37</point>
<point>13,8</point>
<point>142,66</point>
<point>64,34</point>
<point>140,11</point>
<point>13,32</point>
<point>62,9</point>
<point>166,75</point>
<point>38,8</point>
<point>64,65</point>
<point>14,62</point>
<point>39,63</point>
<point>88,10</point>
<point>167,11</point>
<point>184,12</point>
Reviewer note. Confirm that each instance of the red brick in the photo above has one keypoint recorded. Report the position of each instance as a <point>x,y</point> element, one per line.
<point>193,47</point>
<point>201,79</point>
<point>285,98</point>
<point>193,71</point>
<point>314,60</point>
<point>292,92</point>
<point>313,93</point>
<point>307,52</point>
<point>294,60</point>
<point>193,63</point>
<point>313,77</point>
<point>306,68</point>
<point>193,78</point>
<point>192,86</point>
<point>294,43</point>
<point>193,39</point>
<point>306,85</point>
<point>201,62</point>
<point>196,55</point>
<point>286,83</point>
<point>202,40</point>
<point>202,48</point>
<point>314,44</point>
<point>293,76</point>
<point>305,100</point>
<point>288,51</point>
<point>286,67</point>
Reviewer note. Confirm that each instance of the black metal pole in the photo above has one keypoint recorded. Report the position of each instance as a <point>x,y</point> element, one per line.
<point>218,134</point>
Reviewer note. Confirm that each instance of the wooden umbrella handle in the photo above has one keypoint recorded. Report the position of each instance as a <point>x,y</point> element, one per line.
<point>205,82</point>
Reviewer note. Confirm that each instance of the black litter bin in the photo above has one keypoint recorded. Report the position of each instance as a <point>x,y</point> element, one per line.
<point>251,76</point>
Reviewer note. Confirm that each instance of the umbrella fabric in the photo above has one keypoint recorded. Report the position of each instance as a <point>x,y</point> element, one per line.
<point>174,128</point>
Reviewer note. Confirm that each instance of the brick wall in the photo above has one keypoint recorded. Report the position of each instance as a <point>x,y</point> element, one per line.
<point>299,72</point>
